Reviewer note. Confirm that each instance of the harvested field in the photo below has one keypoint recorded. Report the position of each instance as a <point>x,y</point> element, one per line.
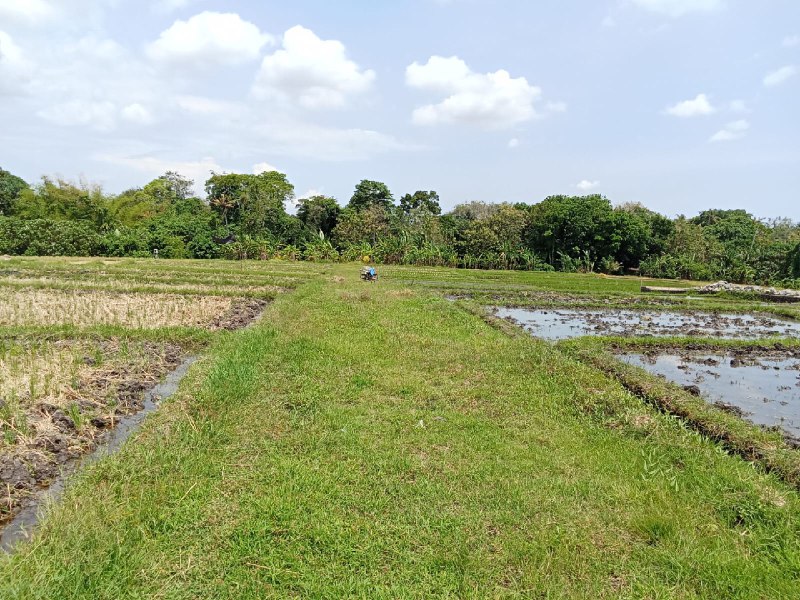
<point>57,398</point>
<point>77,307</point>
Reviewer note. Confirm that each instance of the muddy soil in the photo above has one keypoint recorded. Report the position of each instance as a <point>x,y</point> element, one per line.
<point>58,435</point>
<point>558,324</point>
<point>535,299</point>
<point>241,314</point>
<point>762,386</point>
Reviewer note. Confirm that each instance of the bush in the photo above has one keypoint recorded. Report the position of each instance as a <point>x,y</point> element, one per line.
<point>676,267</point>
<point>44,237</point>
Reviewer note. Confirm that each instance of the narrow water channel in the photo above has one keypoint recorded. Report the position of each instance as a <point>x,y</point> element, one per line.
<point>25,522</point>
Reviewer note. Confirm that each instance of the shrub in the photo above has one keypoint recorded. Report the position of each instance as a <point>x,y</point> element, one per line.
<point>44,237</point>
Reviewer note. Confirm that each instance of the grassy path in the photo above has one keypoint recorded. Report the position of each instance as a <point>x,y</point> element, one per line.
<point>374,442</point>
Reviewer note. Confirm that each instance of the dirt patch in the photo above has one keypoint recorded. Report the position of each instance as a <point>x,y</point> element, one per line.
<point>241,314</point>
<point>44,435</point>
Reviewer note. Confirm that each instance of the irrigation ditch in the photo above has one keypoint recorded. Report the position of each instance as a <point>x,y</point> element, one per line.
<point>50,437</point>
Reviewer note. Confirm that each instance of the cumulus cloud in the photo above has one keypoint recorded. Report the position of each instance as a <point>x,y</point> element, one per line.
<point>14,67</point>
<point>586,185</point>
<point>209,39</point>
<point>732,131</point>
<point>490,100</point>
<point>513,143</point>
<point>25,11</point>
<point>678,8</point>
<point>700,106</point>
<point>312,72</point>
<point>780,76</point>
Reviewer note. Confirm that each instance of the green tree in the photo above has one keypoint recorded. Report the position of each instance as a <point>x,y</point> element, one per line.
<point>421,201</point>
<point>61,200</point>
<point>356,227</point>
<point>371,193</point>
<point>10,188</point>
<point>254,204</point>
<point>319,213</point>
<point>570,228</point>
<point>643,233</point>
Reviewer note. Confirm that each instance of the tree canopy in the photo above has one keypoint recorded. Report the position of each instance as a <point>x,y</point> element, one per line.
<point>245,216</point>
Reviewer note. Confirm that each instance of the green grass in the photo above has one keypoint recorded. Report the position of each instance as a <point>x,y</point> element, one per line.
<point>378,441</point>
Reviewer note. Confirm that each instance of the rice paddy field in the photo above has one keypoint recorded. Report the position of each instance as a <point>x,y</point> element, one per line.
<point>399,439</point>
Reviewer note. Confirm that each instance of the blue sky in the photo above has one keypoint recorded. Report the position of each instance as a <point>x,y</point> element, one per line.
<point>679,104</point>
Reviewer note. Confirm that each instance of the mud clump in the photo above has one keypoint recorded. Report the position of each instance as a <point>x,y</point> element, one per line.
<point>241,314</point>
<point>731,409</point>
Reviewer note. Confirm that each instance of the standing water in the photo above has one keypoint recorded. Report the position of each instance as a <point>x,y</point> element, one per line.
<point>568,323</point>
<point>766,388</point>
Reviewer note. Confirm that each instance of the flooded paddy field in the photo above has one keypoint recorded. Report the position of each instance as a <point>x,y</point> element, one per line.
<point>763,388</point>
<point>560,324</point>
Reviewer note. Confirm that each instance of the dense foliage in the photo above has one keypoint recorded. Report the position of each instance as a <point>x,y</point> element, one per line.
<point>245,217</point>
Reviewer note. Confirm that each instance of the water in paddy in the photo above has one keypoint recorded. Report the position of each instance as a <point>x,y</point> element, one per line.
<point>765,388</point>
<point>561,324</point>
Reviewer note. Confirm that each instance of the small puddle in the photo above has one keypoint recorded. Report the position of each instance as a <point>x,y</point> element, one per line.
<point>22,526</point>
<point>766,388</point>
<point>565,323</point>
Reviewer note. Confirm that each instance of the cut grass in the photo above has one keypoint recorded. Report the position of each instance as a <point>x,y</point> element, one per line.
<point>375,441</point>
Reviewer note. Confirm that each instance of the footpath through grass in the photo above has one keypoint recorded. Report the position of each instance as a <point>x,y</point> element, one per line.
<point>377,442</point>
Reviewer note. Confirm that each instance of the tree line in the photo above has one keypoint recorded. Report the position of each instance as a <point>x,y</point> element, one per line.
<point>244,217</point>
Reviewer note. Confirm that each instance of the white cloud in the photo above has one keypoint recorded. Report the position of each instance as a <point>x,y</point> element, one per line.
<point>700,106</point>
<point>678,8</point>
<point>513,143</point>
<point>587,185</point>
<point>732,131</point>
<point>136,113</point>
<point>198,171</point>
<point>26,11</point>
<point>313,72</point>
<point>264,167</point>
<point>780,76</point>
<point>14,67</point>
<point>491,100</point>
<point>608,22</point>
<point>209,38</point>
<point>100,115</point>
<point>790,41</point>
